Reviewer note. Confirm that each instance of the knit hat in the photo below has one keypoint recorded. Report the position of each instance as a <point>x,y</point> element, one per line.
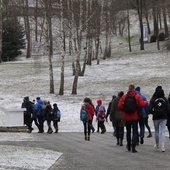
<point>99,101</point>
<point>137,88</point>
<point>120,93</point>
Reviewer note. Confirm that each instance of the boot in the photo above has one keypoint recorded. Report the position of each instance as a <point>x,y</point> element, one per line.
<point>85,137</point>
<point>117,141</point>
<point>121,142</point>
<point>134,150</point>
<point>88,138</point>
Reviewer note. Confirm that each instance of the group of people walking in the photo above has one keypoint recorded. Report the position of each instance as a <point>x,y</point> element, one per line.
<point>131,110</point>
<point>40,111</point>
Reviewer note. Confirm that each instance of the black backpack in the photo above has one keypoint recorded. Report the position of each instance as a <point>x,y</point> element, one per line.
<point>130,105</point>
<point>160,107</point>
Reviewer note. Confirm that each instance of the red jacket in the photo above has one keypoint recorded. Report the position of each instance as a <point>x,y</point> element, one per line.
<point>139,101</point>
<point>90,110</point>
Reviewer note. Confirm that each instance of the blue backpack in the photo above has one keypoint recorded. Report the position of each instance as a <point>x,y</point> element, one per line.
<point>83,115</point>
<point>58,113</point>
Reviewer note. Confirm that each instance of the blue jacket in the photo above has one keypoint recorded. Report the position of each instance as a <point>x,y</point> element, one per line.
<point>144,109</point>
<point>38,107</point>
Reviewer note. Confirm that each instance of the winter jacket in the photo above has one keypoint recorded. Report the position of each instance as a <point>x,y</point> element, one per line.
<point>48,113</point>
<point>100,111</point>
<point>144,110</point>
<point>116,114</point>
<point>90,110</point>
<point>151,109</point>
<point>38,107</point>
<point>140,103</point>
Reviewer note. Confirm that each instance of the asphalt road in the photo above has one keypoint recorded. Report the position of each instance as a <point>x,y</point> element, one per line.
<point>100,153</point>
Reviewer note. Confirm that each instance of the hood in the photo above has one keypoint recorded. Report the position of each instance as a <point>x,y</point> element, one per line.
<point>131,93</point>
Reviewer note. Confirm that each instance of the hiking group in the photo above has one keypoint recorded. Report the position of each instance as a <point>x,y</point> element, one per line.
<point>40,111</point>
<point>130,110</point>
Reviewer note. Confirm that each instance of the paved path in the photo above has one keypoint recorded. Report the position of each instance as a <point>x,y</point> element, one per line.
<point>101,153</point>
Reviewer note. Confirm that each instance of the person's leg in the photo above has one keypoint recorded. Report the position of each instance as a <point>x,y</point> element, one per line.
<point>98,126</point>
<point>36,122</point>
<point>156,127</point>
<point>148,127</point>
<point>89,129</point>
<point>162,134</point>
<point>128,135</point>
<point>121,135</point>
<point>134,135</point>
<point>117,135</point>
<point>85,130</point>
<point>41,123</point>
<point>114,129</point>
<point>142,130</point>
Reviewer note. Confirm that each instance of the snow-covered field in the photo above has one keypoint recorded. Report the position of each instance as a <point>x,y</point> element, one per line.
<point>30,77</point>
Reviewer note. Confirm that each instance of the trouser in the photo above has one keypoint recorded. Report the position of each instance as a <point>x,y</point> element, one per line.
<point>131,138</point>
<point>119,132</point>
<point>41,122</point>
<point>49,125</point>
<point>87,127</point>
<point>35,121</point>
<point>55,124</point>
<point>102,126</point>
<point>147,125</point>
<point>27,120</point>
<point>160,126</point>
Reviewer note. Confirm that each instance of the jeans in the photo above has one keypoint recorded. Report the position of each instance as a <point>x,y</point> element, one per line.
<point>131,140</point>
<point>87,127</point>
<point>160,126</point>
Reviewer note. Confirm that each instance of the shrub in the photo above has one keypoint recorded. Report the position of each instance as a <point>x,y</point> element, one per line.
<point>153,39</point>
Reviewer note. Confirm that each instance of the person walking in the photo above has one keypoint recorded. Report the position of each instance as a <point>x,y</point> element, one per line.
<point>108,113</point>
<point>49,116</point>
<point>117,119</point>
<point>27,114</point>
<point>33,116</point>
<point>57,117</point>
<point>143,118</point>
<point>99,103</point>
<point>89,109</point>
<point>39,108</point>
<point>159,108</point>
<point>101,116</point>
<point>129,104</point>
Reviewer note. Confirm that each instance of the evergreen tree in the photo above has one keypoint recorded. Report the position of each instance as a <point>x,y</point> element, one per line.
<point>12,39</point>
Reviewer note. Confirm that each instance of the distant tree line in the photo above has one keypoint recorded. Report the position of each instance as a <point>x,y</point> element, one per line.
<point>82,28</point>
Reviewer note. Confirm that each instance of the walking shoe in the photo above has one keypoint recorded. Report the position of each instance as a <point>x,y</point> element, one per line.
<point>128,148</point>
<point>149,136</point>
<point>162,149</point>
<point>134,150</point>
<point>141,140</point>
<point>156,146</point>
<point>93,130</point>
<point>88,138</point>
<point>85,137</point>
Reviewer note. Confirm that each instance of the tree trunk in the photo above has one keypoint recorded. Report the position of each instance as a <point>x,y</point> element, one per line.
<point>49,43</point>
<point>128,23</point>
<point>61,91</point>
<point>165,22</point>
<point>27,29</point>
<point>140,14</point>
<point>0,31</point>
